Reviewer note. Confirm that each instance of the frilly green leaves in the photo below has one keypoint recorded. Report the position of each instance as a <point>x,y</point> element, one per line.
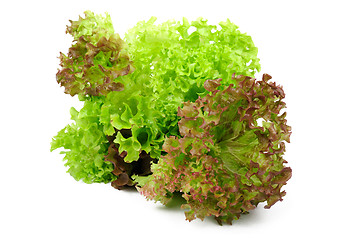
<point>173,107</point>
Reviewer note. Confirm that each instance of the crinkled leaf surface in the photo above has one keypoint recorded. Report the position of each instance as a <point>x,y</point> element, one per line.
<point>225,163</point>
<point>139,83</point>
<point>85,145</point>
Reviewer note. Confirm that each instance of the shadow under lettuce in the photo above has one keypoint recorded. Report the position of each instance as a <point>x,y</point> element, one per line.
<point>251,218</point>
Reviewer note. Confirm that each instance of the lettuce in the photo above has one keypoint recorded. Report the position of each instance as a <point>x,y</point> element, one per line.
<point>142,80</point>
<point>229,157</point>
<point>174,63</point>
<point>96,60</point>
<point>85,145</point>
<point>174,108</point>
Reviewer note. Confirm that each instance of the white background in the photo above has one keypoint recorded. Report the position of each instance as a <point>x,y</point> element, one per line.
<point>312,48</point>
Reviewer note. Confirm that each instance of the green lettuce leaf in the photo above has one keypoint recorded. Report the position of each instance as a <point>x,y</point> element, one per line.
<point>174,64</point>
<point>85,145</point>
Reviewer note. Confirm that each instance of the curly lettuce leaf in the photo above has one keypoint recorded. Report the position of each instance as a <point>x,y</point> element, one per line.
<point>85,145</point>
<point>224,163</point>
<point>93,27</point>
<point>96,61</point>
<point>175,63</point>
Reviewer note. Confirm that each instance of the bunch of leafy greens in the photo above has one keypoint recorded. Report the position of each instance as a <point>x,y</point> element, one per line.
<point>132,90</point>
